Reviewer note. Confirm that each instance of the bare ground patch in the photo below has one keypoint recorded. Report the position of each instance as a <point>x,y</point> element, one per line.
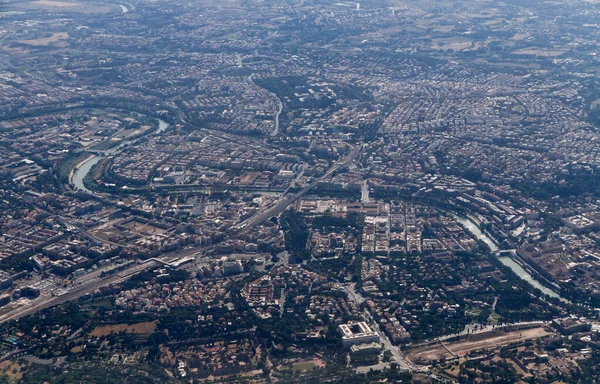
<point>139,328</point>
<point>67,6</point>
<point>56,3</point>
<point>448,350</point>
<point>44,41</point>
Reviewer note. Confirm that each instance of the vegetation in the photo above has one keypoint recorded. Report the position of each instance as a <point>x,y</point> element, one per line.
<point>97,373</point>
<point>296,236</point>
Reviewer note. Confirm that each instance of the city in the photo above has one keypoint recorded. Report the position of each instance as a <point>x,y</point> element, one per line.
<point>299,191</point>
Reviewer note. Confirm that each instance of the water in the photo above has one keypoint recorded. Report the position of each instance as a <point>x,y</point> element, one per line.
<point>162,125</point>
<point>83,170</point>
<point>523,274</point>
<point>80,173</point>
<point>507,261</point>
<point>474,229</point>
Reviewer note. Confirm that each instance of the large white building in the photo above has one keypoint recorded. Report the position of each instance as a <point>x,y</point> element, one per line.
<point>355,333</point>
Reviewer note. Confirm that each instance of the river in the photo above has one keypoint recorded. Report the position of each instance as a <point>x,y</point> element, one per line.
<point>79,174</point>
<point>507,261</point>
<point>83,169</point>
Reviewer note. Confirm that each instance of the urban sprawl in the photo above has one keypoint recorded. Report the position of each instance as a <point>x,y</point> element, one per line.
<point>299,191</point>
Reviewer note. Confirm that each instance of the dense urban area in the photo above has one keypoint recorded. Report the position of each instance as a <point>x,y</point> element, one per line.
<point>299,191</point>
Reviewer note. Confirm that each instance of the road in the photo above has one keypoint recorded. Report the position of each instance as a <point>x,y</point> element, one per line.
<point>83,232</point>
<point>364,191</point>
<point>295,181</point>
<point>397,356</point>
<point>353,295</point>
<point>280,205</point>
<point>92,281</point>
<point>282,301</point>
<point>280,108</point>
<point>75,293</point>
<point>279,103</point>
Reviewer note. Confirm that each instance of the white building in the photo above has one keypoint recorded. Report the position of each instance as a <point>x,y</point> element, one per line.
<point>355,333</point>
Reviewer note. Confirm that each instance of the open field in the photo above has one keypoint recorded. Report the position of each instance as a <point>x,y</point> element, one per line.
<point>494,22</point>
<point>520,36</point>
<point>507,64</point>
<point>107,144</point>
<point>304,366</point>
<point>129,134</point>
<point>489,340</point>
<point>67,6</point>
<point>141,228</point>
<point>106,232</point>
<point>539,52</point>
<point>57,3</point>
<point>139,328</point>
<point>12,370</point>
<point>443,28</point>
<point>455,43</point>
<point>44,41</point>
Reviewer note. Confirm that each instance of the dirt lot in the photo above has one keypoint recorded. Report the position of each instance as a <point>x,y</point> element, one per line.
<point>463,347</point>
<point>140,328</point>
<point>145,229</point>
<point>12,370</point>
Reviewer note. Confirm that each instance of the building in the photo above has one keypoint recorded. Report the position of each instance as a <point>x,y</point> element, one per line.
<point>6,280</point>
<point>4,299</point>
<point>232,267</point>
<point>355,333</point>
<point>365,349</point>
<point>570,325</point>
<point>26,292</point>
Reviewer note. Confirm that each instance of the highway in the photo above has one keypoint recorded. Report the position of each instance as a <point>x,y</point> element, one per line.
<point>75,293</point>
<point>279,206</point>
<point>92,281</point>
<point>85,233</point>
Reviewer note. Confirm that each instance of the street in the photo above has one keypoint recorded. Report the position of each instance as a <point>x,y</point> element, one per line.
<point>397,355</point>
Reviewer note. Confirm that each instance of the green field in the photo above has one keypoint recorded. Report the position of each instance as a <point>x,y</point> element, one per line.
<point>304,366</point>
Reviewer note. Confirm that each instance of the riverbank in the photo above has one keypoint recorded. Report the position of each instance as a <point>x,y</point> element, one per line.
<point>80,171</point>
<point>70,165</point>
<point>508,261</point>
